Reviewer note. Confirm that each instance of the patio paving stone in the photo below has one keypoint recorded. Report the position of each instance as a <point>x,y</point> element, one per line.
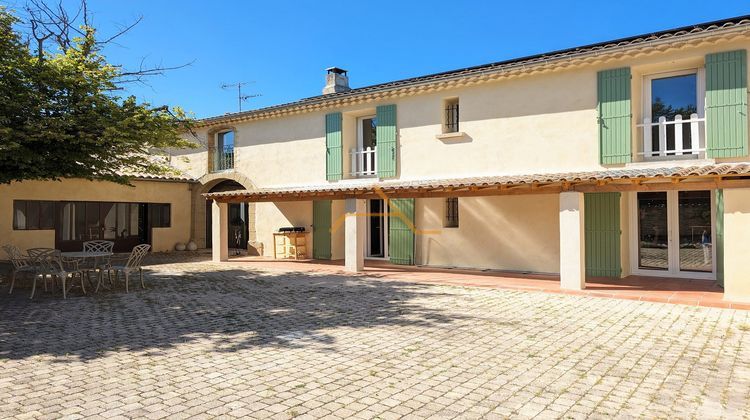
<point>264,341</point>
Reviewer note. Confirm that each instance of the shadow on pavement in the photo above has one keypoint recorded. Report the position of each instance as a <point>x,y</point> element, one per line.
<point>233,308</point>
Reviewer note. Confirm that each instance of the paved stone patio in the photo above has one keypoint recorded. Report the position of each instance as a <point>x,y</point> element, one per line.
<point>212,340</point>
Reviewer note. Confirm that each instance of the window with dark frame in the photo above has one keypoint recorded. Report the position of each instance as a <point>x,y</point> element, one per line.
<point>451,116</point>
<point>451,212</point>
<point>33,215</point>
<point>84,220</point>
<point>160,215</point>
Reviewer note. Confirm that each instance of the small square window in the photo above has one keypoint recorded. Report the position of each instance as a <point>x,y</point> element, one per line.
<point>451,212</point>
<point>450,118</point>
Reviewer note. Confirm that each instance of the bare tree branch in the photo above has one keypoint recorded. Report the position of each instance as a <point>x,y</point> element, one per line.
<point>54,22</point>
<point>143,72</point>
<point>121,32</point>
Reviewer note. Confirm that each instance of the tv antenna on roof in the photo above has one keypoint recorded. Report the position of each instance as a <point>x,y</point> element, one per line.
<point>240,97</point>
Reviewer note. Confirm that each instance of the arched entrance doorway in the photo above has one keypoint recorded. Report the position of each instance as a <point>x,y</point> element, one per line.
<point>239,219</point>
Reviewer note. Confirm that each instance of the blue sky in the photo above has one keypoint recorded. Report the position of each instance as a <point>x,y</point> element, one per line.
<point>285,46</point>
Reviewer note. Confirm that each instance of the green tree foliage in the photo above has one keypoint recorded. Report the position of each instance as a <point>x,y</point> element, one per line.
<point>61,117</point>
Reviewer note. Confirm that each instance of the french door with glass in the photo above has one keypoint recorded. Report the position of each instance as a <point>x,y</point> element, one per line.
<point>672,234</point>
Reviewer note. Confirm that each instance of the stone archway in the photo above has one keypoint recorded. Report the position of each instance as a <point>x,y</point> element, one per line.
<point>207,182</point>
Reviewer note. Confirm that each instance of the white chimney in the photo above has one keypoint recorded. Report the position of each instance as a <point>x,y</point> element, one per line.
<point>336,81</point>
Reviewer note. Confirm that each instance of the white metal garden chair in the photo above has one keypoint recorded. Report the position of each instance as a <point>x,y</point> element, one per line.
<point>98,264</point>
<point>35,252</point>
<point>50,263</point>
<point>132,265</point>
<point>21,264</point>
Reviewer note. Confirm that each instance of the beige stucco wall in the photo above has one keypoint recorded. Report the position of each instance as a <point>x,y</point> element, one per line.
<point>193,162</point>
<point>269,217</point>
<point>737,244</point>
<point>528,124</point>
<point>536,123</point>
<point>519,233</point>
<point>510,233</point>
<point>178,194</point>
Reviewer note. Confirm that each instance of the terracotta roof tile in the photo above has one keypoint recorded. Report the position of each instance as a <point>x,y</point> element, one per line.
<point>726,169</point>
<point>179,176</point>
<point>707,27</point>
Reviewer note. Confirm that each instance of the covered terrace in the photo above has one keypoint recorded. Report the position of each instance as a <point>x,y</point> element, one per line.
<point>733,213</point>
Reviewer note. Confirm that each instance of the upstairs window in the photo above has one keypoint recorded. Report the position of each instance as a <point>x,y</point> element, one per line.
<point>450,119</point>
<point>451,212</point>
<point>223,158</point>
<point>363,157</point>
<point>367,132</point>
<point>673,123</point>
<point>225,139</point>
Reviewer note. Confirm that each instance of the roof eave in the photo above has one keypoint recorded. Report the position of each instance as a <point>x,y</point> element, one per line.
<point>481,74</point>
<point>712,176</point>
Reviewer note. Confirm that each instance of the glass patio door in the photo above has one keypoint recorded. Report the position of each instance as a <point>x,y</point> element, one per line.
<point>653,231</point>
<point>674,232</point>
<point>695,234</point>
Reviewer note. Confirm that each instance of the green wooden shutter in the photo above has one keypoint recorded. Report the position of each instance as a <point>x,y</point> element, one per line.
<point>386,141</point>
<point>602,227</point>
<point>322,229</point>
<point>401,231</point>
<point>726,104</point>
<point>719,237</point>
<point>334,155</point>
<point>613,92</point>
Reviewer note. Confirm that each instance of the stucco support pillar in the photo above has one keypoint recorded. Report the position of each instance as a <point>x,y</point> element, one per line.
<point>737,244</point>
<point>354,235</point>
<point>572,242</point>
<point>219,231</point>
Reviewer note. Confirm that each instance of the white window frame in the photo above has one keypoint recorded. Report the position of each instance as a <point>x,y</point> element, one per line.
<point>360,160</point>
<point>700,91</point>
<point>673,235</point>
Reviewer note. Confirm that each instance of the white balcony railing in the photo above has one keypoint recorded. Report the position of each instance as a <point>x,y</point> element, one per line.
<point>364,162</point>
<point>223,159</point>
<point>676,138</point>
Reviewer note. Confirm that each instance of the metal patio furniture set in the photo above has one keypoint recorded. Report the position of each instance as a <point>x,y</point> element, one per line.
<point>68,269</point>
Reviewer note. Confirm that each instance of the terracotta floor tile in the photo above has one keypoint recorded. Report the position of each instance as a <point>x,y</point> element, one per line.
<point>649,298</point>
<point>651,289</point>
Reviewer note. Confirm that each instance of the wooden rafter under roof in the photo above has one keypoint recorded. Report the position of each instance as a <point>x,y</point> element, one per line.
<point>712,176</point>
